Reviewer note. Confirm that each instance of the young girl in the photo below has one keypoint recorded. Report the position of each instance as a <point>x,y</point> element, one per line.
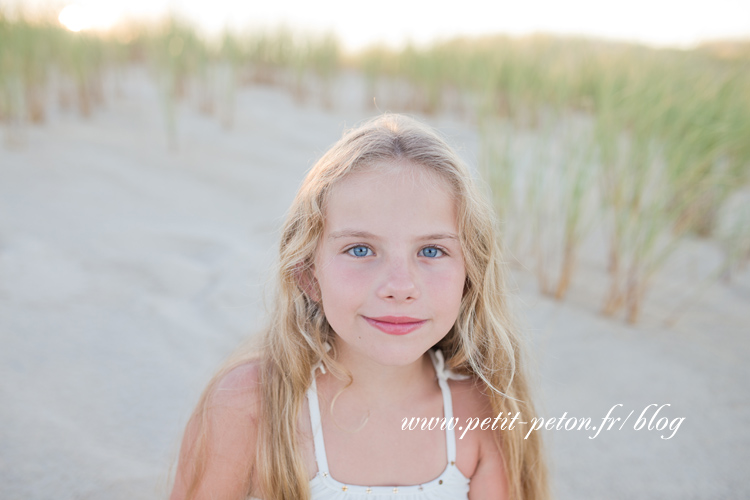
<point>390,307</point>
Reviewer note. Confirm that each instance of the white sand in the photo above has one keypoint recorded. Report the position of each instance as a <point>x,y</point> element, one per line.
<point>128,272</point>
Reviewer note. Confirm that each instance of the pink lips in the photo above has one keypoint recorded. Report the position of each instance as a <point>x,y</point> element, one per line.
<point>396,325</point>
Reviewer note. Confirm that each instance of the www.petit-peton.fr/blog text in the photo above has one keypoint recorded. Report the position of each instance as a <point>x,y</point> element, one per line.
<point>647,420</point>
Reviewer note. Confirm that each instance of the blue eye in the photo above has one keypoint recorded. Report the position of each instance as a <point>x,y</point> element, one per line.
<point>359,251</point>
<point>431,252</point>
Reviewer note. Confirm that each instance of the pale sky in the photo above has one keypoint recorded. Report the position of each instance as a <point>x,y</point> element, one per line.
<point>357,23</point>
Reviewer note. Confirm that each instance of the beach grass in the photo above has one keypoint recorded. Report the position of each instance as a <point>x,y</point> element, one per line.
<point>664,148</point>
<point>646,146</point>
<point>37,54</point>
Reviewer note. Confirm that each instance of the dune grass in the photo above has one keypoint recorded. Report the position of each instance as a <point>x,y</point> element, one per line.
<point>38,58</point>
<point>642,145</point>
<point>665,145</point>
<point>37,54</point>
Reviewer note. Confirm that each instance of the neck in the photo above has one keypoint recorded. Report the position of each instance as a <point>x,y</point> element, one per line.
<point>385,385</point>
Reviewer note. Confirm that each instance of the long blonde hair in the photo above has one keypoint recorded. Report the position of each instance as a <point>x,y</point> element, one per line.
<point>483,342</point>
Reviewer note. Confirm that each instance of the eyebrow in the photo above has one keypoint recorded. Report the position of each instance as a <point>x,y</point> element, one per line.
<point>350,233</point>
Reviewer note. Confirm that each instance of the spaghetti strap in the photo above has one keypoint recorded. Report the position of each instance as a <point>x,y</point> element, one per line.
<point>317,427</point>
<point>443,375</point>
<point>450,436</point>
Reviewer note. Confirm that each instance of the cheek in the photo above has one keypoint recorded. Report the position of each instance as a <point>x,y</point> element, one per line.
<point>342,281</point>
<point>449,285</point>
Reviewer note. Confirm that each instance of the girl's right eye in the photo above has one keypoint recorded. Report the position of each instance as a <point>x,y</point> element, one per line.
<point>359,251</point>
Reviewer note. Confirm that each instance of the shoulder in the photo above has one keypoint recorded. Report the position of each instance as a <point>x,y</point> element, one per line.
<point>470,399</point>
<point>232,409</point>
<point>218,448</point>
<point>473,407</point>
<point>239,389</point>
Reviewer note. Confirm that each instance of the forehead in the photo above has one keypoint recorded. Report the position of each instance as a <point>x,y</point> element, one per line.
<point>394,173</point>
<point>392,196</point>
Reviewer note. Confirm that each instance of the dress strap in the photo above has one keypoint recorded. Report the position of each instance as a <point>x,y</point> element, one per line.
<point>317,428</point>
<point>443,375</point>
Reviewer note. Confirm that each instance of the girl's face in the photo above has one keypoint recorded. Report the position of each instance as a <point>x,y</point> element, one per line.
<point>389,265</point>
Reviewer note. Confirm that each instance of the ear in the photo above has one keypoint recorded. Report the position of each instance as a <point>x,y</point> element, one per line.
<point>305,276</point>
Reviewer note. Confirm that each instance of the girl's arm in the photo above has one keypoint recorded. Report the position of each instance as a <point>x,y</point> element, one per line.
<point>489,481</point>
<point>229,435</point>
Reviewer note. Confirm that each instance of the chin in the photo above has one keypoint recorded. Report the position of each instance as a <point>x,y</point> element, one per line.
<point>397,356</point>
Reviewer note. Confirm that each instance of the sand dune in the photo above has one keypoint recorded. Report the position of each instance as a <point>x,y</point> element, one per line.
<point>129,271</point>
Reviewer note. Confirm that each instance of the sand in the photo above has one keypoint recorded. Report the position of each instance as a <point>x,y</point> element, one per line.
<point>128,271</point>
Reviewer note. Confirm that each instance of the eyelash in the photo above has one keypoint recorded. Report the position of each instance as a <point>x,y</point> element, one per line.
<point>360,245</point>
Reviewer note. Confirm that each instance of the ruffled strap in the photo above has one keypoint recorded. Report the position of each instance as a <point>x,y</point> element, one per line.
<point>440,369</point>
<point>443,375</point>
<point>319,365</point>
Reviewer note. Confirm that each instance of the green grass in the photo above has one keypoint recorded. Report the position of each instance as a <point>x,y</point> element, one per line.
<point>183,62</point>
<point>668,146</point>
<point>643,145</point>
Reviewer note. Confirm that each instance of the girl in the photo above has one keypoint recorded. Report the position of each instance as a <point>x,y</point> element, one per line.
<point>390,308</point>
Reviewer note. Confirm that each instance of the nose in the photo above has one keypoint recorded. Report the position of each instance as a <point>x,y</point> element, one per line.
<point>399,282</point>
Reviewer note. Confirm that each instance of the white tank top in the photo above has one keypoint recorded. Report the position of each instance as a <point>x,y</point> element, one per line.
<point>450,485</point>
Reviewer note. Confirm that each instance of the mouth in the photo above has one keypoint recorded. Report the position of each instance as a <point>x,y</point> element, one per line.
<point>396,325</point>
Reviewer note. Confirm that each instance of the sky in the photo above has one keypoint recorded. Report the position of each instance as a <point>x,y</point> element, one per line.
<point>681,23</point>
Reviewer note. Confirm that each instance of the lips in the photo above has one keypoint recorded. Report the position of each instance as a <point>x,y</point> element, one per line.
<point>395,325</point>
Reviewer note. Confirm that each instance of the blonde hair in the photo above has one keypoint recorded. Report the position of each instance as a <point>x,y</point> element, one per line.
<point>483,342</point>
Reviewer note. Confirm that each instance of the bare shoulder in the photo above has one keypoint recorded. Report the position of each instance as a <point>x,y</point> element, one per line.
<point>239,389</point>
<point>218,448</point>
<point>470,397</point>
<point>473,408</point>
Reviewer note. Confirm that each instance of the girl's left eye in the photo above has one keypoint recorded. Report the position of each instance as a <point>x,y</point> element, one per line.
<point>431,252</point>
<point>359,251</point>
